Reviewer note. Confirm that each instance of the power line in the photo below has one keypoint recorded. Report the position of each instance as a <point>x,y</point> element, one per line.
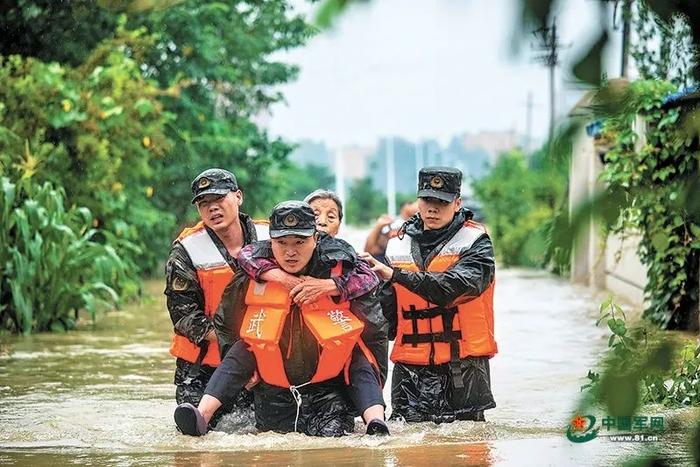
<point>548,48</point>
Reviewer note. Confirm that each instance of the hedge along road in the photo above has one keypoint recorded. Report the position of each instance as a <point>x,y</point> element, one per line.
<point>103,395</point>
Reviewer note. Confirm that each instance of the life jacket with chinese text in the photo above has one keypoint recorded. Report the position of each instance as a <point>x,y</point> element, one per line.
<point>336,329</point>
<point>214,274</point>
<point>428,334</point>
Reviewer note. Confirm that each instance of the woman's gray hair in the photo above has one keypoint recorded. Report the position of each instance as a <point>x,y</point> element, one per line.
<point>326,194</point>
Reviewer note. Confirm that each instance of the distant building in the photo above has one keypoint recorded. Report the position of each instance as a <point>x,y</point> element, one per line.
<point>491,142</point>
<point>471,153</point>
<point>356,158</point>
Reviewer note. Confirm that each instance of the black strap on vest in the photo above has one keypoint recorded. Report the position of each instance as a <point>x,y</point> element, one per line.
<point>455,368</point>
<point>446,336</point>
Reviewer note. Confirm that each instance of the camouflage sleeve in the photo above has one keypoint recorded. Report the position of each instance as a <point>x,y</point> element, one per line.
<point>185,298</point>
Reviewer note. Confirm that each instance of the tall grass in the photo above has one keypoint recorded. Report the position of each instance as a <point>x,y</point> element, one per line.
<point>52,266</point>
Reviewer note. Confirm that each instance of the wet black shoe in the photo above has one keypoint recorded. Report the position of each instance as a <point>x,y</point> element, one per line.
<point>377,427</point>
<point>189,420</point>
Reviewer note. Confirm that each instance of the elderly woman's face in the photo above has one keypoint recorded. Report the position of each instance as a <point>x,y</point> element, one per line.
<point>327,215</point>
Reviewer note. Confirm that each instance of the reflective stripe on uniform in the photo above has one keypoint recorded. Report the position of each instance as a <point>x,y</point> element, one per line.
<point>262,230</point>
<point>398,250</point>
<point>463,240</point>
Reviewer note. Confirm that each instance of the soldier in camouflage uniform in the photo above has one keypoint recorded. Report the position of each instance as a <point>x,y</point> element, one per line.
<point>222,232</point>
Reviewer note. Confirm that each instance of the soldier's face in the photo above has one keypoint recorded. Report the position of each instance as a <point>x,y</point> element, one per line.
<point>220,212</point>
<point>327,216</point>
<point>436,213</point>
<point>292,252</point>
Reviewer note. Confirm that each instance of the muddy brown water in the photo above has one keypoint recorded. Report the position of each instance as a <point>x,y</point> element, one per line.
<point>103,395</point>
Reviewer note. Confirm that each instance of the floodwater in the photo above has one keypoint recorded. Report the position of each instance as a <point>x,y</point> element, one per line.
<point>103,395</point>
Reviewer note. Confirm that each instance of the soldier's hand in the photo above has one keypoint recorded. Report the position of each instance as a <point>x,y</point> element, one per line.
<point>382,270</point>
<point>311,289</point>
<point>384,220</point>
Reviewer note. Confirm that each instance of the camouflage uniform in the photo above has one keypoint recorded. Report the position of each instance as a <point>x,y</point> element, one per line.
<point>185,302</point>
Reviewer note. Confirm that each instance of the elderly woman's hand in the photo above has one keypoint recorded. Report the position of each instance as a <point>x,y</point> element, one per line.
<point>311,289</point>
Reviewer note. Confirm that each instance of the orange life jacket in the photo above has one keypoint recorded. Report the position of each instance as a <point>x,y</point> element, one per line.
<point>334,326</point>
<point>214,274</point>
<point>428,334</point>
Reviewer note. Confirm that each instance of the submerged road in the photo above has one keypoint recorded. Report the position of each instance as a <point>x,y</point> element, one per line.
<point>103,395</point>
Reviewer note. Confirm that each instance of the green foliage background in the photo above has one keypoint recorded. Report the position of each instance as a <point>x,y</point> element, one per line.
<point>114,106</point>
<point>520,197</point>
<point>365,203</point>
<point>53,266</point>
<point>654,178</point>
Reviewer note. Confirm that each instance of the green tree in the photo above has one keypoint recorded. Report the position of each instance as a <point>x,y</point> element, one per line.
<point>295,182</point>
<point>96,131</point>
<point>145,95</point>
<point>64,32</point>
<point>215,57</point>
<point>518,201</point>
<point>364,203</point>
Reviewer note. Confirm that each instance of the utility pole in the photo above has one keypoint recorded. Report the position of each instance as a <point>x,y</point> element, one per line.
<point>340,174</point>
<point>626,19</point>
<point>390,178</point>
<point>528,122</point>
<point>549,47</point>
<point>420,158</point>
<point>626,15</point>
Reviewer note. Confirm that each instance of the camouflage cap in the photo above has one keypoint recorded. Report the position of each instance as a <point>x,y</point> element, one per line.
<point>213,182</point>
<point>292,218</point>
<point>443,183</point>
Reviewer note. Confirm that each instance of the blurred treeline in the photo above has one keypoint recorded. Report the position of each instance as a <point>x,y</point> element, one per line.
<point>108,109</point>
<point>521,196</point>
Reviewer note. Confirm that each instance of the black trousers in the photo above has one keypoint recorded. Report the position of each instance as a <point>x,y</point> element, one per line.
<point>421,393</point>
<point>239,364</point>
<point>190,388</point>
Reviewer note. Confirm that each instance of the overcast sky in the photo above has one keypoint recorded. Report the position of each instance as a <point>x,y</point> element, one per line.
<point>426,69</point>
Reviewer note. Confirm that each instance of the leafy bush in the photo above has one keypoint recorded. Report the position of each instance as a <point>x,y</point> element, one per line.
<point>51,267</point>
<point>657,203</point>
<point>519,200</point>
<point>649,364</point>
<point>95,131</point>
<point>364,203</point>
<point>122,110</point>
